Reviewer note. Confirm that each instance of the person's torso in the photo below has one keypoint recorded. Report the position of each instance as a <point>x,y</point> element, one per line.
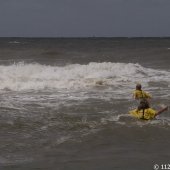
<point>139,94</point>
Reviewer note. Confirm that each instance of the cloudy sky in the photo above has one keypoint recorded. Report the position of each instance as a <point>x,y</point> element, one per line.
<point>75,18</point>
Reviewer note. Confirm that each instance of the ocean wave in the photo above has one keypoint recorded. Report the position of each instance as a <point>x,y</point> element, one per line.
<point>22,76</point>
<point>14,42</point>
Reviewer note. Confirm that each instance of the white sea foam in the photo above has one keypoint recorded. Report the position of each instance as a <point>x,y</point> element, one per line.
<point>22,76</point>
<point>14,42</point>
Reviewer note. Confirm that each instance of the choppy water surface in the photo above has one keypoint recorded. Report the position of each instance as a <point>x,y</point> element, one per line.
<point>66,106</point>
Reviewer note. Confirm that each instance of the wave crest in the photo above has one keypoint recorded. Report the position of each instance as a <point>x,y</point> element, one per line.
<point>75,76</point>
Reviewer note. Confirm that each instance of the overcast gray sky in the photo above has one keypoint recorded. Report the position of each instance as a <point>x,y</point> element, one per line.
<point>75,18</point>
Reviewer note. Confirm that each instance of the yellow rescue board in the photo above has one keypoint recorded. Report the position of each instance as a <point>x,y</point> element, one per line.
<point>148,114</point>
<point>134,114</point>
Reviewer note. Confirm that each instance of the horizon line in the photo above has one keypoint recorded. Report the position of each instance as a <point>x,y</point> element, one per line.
<point>84,37</point>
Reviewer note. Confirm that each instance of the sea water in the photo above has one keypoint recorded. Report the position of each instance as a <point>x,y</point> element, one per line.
<point>64,103</point>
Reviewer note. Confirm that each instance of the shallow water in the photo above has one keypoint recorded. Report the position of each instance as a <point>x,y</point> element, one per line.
<point>64,103</point>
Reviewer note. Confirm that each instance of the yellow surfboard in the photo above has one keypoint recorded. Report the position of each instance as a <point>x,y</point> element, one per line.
<point>147,115</point>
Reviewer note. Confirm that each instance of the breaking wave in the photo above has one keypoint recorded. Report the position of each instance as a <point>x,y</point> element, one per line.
<point>22,76</point>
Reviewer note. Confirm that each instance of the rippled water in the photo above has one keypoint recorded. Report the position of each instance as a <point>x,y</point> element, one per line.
<point>66,106</point>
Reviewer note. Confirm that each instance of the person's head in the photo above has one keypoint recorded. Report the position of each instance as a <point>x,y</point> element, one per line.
<point>144,104</point>
<point>138,87</point>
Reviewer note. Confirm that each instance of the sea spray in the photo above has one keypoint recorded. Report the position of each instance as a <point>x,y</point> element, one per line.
<point>35,76</point>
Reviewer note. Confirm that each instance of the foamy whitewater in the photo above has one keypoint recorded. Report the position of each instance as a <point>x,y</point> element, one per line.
<point>124,76</point>
<point>64,104</point>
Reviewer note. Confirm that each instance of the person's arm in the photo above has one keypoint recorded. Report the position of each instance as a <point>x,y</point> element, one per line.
<point>134,95</point>
<point>162,110</point>
<point>148,95</point>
